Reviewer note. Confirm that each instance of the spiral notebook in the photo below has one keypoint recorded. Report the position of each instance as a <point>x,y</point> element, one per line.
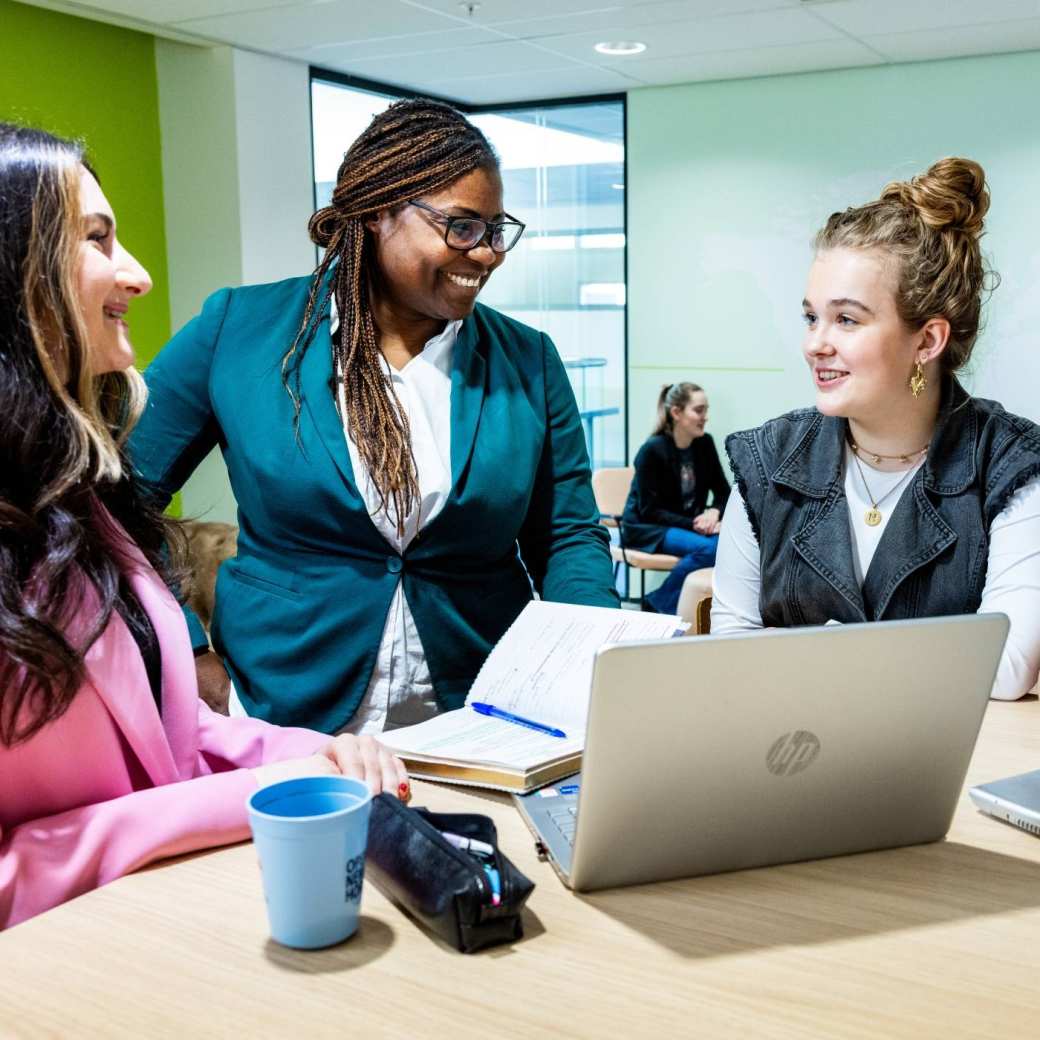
<point>540,672</point>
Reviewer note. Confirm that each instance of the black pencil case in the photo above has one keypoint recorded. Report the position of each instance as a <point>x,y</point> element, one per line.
<point>444,888</point>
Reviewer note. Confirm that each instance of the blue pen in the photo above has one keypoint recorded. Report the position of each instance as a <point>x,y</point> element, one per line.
<point>496,884</point>
<point>498,713</point>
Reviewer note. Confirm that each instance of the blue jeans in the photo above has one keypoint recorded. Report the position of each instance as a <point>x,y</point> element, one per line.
<point>696,550</point>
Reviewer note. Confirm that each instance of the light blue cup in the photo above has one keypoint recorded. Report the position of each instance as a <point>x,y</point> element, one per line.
<point>310,835</point>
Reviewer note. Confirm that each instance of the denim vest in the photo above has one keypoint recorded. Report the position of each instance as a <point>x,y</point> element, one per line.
<point>932,557</point>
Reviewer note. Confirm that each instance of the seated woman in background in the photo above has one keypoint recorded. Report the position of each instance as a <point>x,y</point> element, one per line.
<point>108,758</point>
<point>898,495</point>
<point>667,509</point>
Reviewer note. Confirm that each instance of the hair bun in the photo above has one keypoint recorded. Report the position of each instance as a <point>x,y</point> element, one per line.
<point>951,193</point>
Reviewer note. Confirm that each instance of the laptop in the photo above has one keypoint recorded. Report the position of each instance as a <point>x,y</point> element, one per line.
<point>1014,800</point>
<point>719,753</point>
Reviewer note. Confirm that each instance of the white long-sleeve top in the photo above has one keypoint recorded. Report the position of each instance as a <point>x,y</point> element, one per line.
<point>400,691</point>
<point>1012,577</point>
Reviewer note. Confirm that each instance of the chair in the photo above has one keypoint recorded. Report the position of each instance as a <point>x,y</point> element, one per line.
<point>610,488</point>
<point>209,544</point>
<point>695,600</point>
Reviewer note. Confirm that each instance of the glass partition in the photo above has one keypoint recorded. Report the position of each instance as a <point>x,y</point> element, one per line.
<point>563,171</point>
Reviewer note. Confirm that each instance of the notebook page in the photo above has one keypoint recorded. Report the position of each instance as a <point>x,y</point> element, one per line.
<point>465,736</point>
<point>541,669</point>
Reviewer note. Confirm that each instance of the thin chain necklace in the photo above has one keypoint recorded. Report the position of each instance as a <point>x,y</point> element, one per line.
<point>857,448</point>
<point>873,515</point>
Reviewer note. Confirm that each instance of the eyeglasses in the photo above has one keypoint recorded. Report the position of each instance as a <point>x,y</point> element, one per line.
<point>465,233</point>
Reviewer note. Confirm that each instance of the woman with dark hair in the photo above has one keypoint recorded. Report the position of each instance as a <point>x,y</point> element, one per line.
<point>676,471</point>
<point>897,495</point>
<point>406,462</point>
<point>108,759</point>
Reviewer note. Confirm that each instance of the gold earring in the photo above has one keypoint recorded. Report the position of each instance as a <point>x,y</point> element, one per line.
<point>918,381</point>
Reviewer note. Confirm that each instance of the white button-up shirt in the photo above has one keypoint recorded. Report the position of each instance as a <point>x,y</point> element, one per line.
<point>400,691</point>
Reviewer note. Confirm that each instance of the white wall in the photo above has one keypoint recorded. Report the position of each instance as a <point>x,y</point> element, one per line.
<point>238,192</point>
<point>727,183</point>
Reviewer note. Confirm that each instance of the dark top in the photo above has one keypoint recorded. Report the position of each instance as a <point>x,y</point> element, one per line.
<point>661,497</point>
<point>932,558</point>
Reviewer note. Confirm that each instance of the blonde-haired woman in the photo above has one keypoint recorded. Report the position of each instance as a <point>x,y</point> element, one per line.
<point>898,495</point>
<point>108,758</point>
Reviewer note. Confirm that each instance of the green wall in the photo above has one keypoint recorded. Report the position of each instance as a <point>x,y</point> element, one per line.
<point>96,82</point>
<point>728,181</point>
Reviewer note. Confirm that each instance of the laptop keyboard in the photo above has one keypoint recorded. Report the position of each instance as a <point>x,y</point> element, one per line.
<point>566,819</point>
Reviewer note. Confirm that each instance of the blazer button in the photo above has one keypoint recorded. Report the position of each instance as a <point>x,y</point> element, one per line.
<point>394,564</point>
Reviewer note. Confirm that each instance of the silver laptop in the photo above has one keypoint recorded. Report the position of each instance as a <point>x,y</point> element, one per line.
<point>1014,800</point>
<point>718,753</point>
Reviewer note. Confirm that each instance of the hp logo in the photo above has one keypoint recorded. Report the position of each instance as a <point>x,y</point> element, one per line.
<point>793,752</point>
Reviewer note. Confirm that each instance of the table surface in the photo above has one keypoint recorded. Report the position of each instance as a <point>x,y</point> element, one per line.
<point>934,940</point>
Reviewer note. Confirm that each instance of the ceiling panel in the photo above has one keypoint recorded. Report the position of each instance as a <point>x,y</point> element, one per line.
<point>878,17</point>
<point>518,15</point>
<point>1021,35</point>
<point>166,11</point>
<point>392,46</point>
<point>305,25</point>
<point>765,29</point>
<point>492,59</point>
<point>772,61</point>
<point>517,86</point>
<point>616,22</point>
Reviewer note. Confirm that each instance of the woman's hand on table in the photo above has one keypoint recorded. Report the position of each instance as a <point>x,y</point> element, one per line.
<point>363,758</point>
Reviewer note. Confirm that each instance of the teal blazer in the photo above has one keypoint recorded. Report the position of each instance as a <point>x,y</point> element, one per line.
<point>300,610</point>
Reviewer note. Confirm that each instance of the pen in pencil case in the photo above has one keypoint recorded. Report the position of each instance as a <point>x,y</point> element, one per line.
<point>471,845</point>
<point>508,716</point>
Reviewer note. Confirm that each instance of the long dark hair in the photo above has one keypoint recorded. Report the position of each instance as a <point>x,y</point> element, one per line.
<point>413,148</point>
<point>62,435</point>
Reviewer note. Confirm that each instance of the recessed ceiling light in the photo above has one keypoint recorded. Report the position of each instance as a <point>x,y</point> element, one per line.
<point>621,47</point>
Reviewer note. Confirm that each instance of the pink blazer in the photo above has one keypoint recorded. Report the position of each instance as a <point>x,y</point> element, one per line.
<point>112,785</point>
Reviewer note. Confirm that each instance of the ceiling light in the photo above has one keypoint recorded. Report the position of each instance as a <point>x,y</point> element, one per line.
<point>621,47</point>
<point>618,187</point>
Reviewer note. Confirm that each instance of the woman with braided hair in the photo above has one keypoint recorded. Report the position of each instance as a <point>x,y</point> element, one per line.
<point>407,463</point>
<point>898,495</point>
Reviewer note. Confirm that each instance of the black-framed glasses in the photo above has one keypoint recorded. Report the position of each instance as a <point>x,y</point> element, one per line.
<point>465,233</point>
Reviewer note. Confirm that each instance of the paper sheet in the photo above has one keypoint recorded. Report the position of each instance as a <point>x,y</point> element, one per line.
<point>541,668</point>
<point>465,736</point>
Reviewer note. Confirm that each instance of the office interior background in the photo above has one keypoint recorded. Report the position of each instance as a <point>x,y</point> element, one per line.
<point>670,195</point>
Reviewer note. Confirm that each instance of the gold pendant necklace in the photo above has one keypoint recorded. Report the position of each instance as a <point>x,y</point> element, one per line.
<point>873,515</point>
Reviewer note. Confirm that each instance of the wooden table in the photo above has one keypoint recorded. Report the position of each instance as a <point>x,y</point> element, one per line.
<point>938,940</point>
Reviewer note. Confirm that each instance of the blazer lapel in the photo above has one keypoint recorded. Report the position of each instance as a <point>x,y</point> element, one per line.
<point>116,671</point>
<point>467,397</point>
<point>180,691</point>
<point>319,400</point>
<point>824,542</point>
